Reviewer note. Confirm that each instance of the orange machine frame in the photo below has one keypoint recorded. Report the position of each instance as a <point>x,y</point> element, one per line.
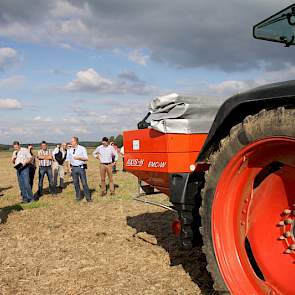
<point>152,155</point>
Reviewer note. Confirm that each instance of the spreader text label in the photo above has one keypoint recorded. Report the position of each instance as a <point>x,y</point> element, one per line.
<point>135,162</point>
<point>156,164</point>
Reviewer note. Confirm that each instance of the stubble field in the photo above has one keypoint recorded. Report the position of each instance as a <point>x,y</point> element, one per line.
<point>111,246</point>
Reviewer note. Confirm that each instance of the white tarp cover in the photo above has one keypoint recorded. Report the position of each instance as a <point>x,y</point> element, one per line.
<point>174,113</point>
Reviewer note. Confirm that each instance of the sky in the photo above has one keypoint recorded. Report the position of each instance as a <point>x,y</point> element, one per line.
<point>90,68</point>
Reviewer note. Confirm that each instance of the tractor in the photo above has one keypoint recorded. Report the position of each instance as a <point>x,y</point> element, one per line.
<point>232,186</point>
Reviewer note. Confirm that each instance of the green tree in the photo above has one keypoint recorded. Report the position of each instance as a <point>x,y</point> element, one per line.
<point>119,140</point>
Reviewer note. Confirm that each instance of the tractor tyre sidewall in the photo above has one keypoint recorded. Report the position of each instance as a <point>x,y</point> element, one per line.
<point>276,122</point>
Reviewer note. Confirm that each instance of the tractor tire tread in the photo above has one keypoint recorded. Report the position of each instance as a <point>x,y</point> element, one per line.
<point>263,124</point>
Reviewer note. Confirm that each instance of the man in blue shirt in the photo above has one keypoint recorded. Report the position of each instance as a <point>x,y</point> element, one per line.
<point>77,156</point>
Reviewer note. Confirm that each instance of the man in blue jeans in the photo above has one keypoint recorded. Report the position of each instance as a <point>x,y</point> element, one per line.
<point>21,158</point>
<point>77,156</point>
<point>45,167</point>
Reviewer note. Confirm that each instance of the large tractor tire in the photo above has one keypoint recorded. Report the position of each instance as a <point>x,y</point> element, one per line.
<point>248,207</point>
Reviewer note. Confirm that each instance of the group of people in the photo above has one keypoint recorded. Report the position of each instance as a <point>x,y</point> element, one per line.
<point>54,163</point>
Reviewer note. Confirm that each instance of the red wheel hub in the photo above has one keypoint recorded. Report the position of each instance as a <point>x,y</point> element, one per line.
<point>253,216</point>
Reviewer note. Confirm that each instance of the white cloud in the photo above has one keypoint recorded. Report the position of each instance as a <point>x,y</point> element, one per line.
<point>288,73</point>
<point>80,130</point>
<point>65,9</point>
<point>90,81</point>
<point>84,112</point>
<point>88,123</point>
<point>162,29</point>
<point>8,56</point>
<point>57,130</point>
<point>66,46</point>
<point>4,132</point>
<point>42,119</point>
<point>18,130</point>
<point>138,57</point>
<point>14,81</point>
<point>10,104</point>
<point>229,86</point>
<point>129,76</point>
<point>72,120</point>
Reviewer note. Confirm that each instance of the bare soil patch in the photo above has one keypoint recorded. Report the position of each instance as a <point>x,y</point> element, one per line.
<point>111,246</point>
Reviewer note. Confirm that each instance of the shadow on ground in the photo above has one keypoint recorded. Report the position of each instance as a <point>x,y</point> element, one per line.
<point>193,261</point>
<point>2,189</point>
<point>46,190</point>
<point>4,212</point>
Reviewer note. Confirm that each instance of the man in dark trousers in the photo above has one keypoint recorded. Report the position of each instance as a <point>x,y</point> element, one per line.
<point>77,156</point>
<point>32,165</point>
<point>45,167</point>
<point>21,159</point>
<point>59,156</point>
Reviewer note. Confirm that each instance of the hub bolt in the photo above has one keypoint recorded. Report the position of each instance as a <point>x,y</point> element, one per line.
<point>281,238</point>
<point>287,251</point>
<point>292,247</point>
<point>287,211</point>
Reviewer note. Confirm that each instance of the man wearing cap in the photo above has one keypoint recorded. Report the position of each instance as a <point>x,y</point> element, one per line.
<point>106,153</point>
<point>21,159</point>
<point>77,156</point>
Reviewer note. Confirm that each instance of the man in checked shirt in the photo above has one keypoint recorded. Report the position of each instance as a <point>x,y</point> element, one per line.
<point>45,167</point>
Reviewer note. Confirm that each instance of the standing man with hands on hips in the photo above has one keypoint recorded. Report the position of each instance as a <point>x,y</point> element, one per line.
<point>106,153</point>
<point>77,156</point>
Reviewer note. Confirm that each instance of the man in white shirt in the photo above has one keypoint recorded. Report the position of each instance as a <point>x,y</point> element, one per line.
<point>21,159</point>
<point>122,152</point>
<point>77,156</point>
<point>105,154</point>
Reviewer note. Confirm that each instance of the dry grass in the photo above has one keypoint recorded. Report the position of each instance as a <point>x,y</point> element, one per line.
<point>111,246</point>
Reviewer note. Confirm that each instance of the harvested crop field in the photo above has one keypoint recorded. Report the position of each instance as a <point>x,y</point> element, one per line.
<point>111,246</point>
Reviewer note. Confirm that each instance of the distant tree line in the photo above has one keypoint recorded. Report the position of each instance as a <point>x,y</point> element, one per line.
<point>4,147</point>
<point>118,140</point>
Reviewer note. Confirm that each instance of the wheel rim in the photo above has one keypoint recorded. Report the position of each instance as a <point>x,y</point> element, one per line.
<point>253,217</point>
